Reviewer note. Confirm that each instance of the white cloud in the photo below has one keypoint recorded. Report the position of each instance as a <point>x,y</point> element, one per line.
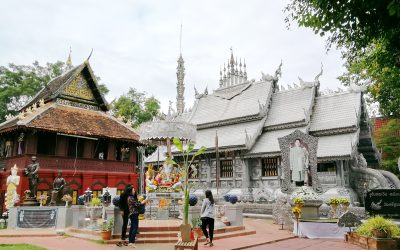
<point>136,43</point>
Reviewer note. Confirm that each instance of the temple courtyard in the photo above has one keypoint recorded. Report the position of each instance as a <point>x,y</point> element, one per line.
<point>268,236</point>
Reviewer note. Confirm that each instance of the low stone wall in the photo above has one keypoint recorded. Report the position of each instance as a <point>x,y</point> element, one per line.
<point>61,217</point>
<point>256,208</point>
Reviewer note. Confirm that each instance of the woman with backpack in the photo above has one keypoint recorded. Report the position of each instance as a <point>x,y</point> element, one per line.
<point>134,208</point>
<point>207,218</point>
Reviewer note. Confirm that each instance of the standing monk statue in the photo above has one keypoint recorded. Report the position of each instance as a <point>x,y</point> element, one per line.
<point>58,185</point>
<point>31,171</point>
<point>299,164</point>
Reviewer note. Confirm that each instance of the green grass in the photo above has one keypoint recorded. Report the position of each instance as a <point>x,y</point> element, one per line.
<point>20,247</point>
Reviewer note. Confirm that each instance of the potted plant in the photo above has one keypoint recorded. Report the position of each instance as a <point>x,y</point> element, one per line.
<point>378,227</point>
<point>334,202</point>
<point>106,229</point>
<point>95,209</point>
<point>184,169</point>
<point>298,202</point>
<point>375,233</point>
<point>345,202</point>
<point>196,224</point>
<point>296,211</point>
<point>95,202</point>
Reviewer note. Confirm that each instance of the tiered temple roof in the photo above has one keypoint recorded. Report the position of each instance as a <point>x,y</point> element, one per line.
<point>71,104</point>
<point>251,115</point>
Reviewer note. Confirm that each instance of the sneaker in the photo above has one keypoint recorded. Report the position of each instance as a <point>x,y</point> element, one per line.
<point>211,244</point>
<point>132,245</point>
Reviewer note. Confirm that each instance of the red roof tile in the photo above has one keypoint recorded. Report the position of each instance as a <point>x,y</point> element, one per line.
<point>78,121</point>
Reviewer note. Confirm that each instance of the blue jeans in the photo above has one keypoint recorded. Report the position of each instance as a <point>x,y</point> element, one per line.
<point>134,227</point>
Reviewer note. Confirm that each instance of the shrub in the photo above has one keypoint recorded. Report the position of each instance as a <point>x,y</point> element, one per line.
<point>107,225</point>
<point>379,223</point>
<point>95,202</point>
<point>196,222</point>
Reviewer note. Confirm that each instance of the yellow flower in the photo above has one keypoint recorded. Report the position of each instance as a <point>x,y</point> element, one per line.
<point>296,210</point>
<point>298,201</point>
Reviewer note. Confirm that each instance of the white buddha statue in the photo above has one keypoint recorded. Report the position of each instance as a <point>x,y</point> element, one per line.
<point>12,183</point>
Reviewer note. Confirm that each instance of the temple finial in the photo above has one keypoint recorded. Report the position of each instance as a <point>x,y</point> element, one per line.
<point>68,63</point>
<point>180,41</point>
<point>316,79</point>
<point>87,60</point>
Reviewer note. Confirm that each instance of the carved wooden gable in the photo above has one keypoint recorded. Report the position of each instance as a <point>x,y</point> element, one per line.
<point>79,88</point>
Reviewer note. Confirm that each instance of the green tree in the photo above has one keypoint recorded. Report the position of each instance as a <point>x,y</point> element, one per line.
<point>18,83</point>
<point>136,107</point>
<point>388,141</point>
<point>368,32</point>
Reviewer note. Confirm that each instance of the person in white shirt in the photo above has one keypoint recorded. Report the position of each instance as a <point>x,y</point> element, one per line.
<point>207,217</point>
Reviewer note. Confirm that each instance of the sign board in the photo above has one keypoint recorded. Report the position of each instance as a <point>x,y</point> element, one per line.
<point>385,202</point>
<point>36,218</point>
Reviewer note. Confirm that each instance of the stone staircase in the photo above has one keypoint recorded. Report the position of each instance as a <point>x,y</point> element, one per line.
<point>162,234</point>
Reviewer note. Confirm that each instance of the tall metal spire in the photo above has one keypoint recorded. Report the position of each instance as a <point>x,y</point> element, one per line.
<point>180,75</point>
<point>68,63</point>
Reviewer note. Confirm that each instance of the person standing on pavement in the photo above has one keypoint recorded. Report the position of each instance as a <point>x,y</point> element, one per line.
<point>207,217</point>
<point>123,205</point>
<point>134,205</point>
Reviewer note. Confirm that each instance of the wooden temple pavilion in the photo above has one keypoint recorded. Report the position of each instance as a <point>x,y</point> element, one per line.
<point>66,125</point>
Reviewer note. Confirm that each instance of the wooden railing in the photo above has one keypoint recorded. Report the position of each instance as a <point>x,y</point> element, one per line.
<point>66,163</point>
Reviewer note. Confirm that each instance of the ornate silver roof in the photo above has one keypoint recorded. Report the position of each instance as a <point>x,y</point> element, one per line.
<point>342,145</point>
<point>156,132</point>
<point>290,106</point>
<point>268,141</point>
<point>235,103</point>
<point>336,111</point>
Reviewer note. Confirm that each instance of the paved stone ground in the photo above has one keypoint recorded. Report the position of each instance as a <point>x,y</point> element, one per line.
<point>268,237</point>
<point>307,244</point>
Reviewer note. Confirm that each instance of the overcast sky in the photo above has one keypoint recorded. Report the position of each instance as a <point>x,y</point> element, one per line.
<point>136,43</point>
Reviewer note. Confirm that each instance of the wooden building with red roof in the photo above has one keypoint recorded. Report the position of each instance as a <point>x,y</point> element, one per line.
<point>66,125</point>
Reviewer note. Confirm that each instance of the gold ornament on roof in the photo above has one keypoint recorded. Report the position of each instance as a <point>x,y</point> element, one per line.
<point>79,88</point>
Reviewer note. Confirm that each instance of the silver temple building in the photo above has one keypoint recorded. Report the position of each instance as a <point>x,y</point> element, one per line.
<point>250,115</point>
